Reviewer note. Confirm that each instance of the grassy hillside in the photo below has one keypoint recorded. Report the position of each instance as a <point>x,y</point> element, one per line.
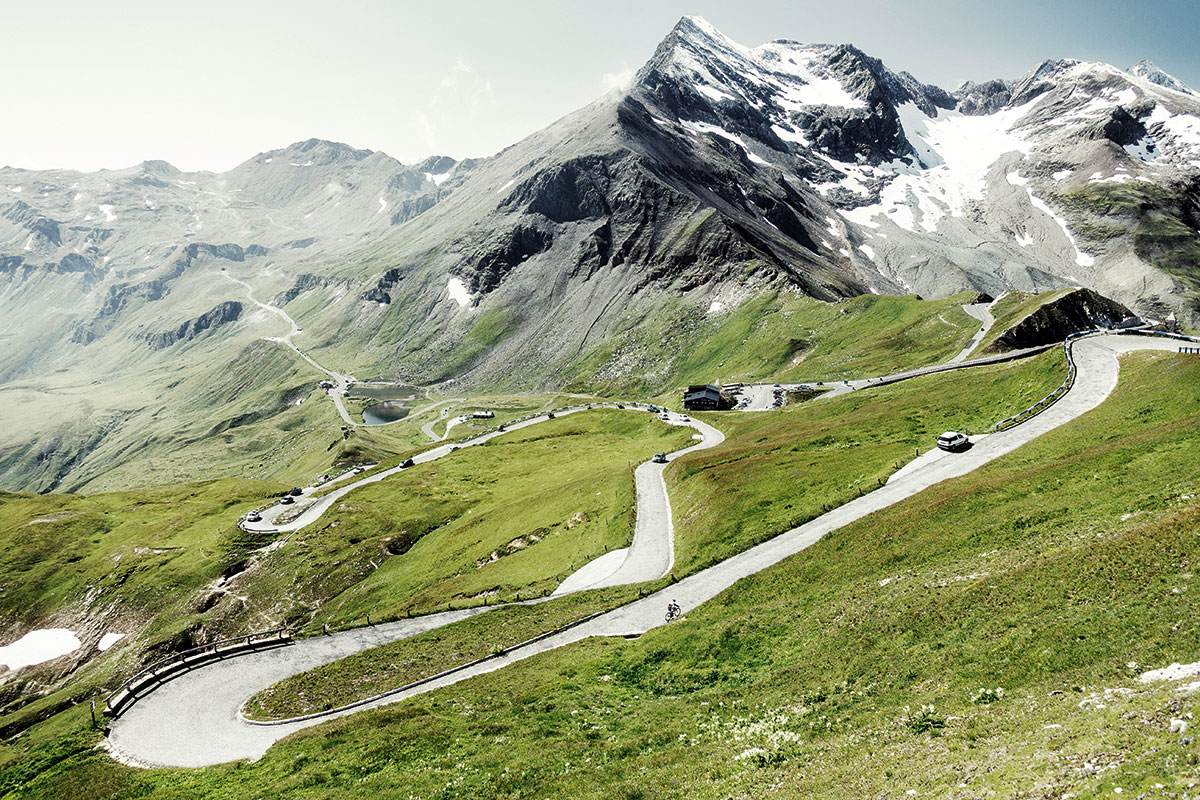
<point>445,531</point>
<point>852,669</point>
<point>779,470</point>
<point>250,407</point>
<point>398,663</point>
<point>168,568</point>
<point>776,336</point>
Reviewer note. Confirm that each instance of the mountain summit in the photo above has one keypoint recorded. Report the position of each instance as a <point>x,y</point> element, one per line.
<point>1146,69</point>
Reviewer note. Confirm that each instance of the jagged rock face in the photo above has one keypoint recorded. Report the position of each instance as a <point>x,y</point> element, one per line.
<point>223,314</point>
<point>122,295</point>
<point>983,98</point>
<point>1074,312</point>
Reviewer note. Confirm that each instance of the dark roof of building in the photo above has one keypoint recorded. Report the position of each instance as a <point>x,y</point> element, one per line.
<point>696,392</point>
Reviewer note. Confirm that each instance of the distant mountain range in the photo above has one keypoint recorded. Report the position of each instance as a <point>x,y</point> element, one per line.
<point>723,172</point>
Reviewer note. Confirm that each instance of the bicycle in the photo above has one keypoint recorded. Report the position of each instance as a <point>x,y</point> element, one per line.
<point>673,612</point>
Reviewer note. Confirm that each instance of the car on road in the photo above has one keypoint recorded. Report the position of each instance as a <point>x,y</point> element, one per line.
<point>286,500</point>
<point>952,441</point>
<point>408,462</point>
<point>296,491</point>
<point>664,417</point>
<point>652,409</point>
<point>659,458</point>
<point>255,517</point>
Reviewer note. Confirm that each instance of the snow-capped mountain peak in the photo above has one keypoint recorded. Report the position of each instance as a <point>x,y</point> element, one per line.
<point>1147,70</point>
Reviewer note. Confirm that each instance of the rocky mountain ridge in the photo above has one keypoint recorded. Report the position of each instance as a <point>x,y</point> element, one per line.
<point>723,172</point>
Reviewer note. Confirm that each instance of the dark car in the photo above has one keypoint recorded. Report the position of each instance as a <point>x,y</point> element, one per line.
<point>296,491</point>
<point>408,462</point>
<point>550,415</point>
<point>659,458</point>
<point>953,440</point>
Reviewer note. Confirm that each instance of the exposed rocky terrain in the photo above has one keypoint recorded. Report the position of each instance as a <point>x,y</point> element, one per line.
<point>1074,312</point>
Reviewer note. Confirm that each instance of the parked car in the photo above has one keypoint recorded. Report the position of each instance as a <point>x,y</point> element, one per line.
<point>659,458</point>
<point>953,440</point>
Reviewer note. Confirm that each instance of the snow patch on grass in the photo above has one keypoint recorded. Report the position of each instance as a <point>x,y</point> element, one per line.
<point>38,646</point>
<point>109,639</point>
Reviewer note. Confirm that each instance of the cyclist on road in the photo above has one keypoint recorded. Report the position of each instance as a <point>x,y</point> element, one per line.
<point>673,611</point>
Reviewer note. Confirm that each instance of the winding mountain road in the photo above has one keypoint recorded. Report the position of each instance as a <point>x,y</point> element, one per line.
<point>983,313</point>
<point>341,381</point>
<point>194,719</point>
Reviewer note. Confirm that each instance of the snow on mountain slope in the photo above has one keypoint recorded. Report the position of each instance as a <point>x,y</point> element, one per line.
<point>1147,70</point>
<point>952,153</point>
<point>918,174</point>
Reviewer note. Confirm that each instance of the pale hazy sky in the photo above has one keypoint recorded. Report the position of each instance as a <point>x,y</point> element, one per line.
<point>208,84</point>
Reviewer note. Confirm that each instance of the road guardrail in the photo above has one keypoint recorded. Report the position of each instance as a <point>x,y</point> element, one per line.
<point>1032,411</point>
<point>185,659</point>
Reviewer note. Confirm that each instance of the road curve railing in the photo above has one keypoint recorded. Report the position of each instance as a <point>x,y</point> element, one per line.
<point>1069,381</point>
<point>154,673</point>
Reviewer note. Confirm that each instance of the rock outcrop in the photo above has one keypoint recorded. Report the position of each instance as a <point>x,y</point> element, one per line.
<point>1075,311</point>
<point>221,315</point>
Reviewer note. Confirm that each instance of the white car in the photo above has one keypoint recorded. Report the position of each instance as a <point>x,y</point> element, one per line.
<point>953,440</point>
